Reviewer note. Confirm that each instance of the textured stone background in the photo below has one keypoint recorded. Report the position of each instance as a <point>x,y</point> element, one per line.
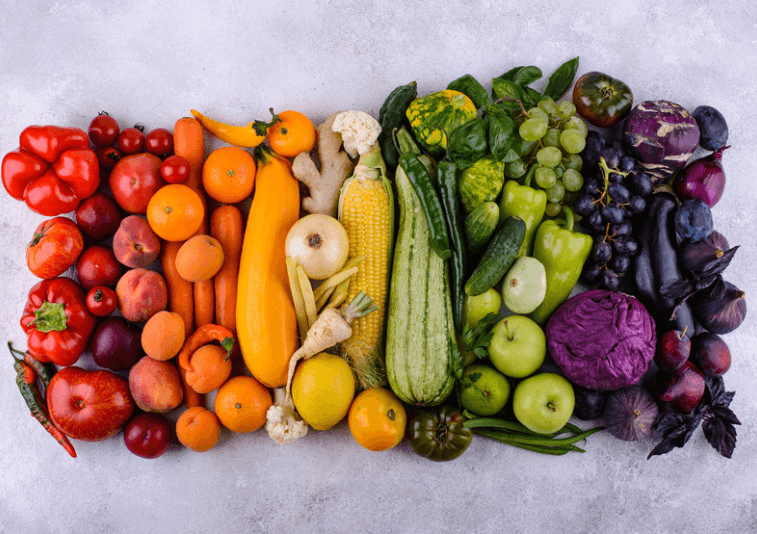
<point>151,62</point>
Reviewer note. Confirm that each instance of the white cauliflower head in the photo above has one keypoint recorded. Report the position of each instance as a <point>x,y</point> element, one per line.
<point>282,422</point>
<point>359,131</point>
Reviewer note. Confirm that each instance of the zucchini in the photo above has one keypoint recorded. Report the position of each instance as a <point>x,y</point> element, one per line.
<point>420,331</point>
<point>480,225</point>
<point>392,116</point>
<point>498,257</point>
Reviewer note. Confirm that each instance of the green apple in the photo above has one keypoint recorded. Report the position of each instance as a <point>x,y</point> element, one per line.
<point>483,390</point>
<point>518,346</point>
<point>477,307</point>
<point>543,403</point>
<point>525,285</point>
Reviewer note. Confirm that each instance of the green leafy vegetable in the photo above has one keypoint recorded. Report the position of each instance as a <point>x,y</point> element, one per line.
<point>522,75</point>
<point>504,141</point>
<point>561,79</point>
<point>467,143</point>
<point>471,88</point>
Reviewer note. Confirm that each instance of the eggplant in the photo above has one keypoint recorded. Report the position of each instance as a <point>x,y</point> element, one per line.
<point>656,266</point>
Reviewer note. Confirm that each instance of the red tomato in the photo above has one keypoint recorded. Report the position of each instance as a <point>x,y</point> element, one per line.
<point>103,130</point>
<point>108,156</point>
<point>56,245</point>
<point>98,266</point>
<point>159,142</point>
<point>101,301</point>
<point>131,140</point>
<point>175,170</point>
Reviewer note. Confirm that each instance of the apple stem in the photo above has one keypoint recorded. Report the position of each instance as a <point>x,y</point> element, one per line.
<point>507,329</point>
<point>551,407</point>
<point>684,331</point>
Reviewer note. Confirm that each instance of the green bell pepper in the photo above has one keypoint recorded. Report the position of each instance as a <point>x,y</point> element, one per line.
<point>563,253</point>
<point>438,433</point>
<point>525,202</point>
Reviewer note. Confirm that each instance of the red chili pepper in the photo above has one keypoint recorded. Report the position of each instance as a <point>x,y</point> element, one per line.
<point>57,322</point>
<point>27,384</point>
<point>53,169</point>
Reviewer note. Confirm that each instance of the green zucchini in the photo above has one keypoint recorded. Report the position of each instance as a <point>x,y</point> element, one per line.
<point>392,116</point>
<point>420,331</point>
<point>498,257</point>
<point>480,225</point>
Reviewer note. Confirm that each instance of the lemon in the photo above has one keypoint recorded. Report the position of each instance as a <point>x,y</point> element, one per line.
<point>322,390</point>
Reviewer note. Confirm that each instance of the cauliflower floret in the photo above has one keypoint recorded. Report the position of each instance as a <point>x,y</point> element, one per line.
<point>282,422</point>
<point>359,131</point>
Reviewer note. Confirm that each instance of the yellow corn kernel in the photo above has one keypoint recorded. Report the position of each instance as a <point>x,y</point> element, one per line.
<point>366,212</point>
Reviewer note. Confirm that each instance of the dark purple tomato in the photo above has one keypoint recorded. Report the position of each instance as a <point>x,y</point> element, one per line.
<point>601,99</point>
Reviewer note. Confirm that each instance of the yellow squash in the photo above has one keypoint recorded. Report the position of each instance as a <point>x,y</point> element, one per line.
<point>266,318</point>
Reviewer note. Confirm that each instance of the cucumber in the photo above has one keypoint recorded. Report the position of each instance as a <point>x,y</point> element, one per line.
<point>480,225</point>
<point>498,257</point>
<point>392,116</point>
<point>420,331</point>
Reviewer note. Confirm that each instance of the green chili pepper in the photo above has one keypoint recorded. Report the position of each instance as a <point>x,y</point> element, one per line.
<point>467,143</point>
<point>563,253</point>
<point>423,186</point>
<point>26,382</point>
<point>527,203</point>
<point>447,178</point>
<point>44,370</point>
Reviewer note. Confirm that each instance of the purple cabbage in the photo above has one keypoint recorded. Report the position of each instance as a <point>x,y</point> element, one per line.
<point>662,136</point>
<point>602,339</point>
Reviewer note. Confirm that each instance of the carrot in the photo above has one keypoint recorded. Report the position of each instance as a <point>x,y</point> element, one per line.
<point>226,227</point>
<point>331,327</point>
<point>180,299</point>
<point>191,397</point>
<point>189,143</point>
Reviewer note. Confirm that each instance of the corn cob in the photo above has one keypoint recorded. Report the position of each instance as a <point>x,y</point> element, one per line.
<point>366,210</point>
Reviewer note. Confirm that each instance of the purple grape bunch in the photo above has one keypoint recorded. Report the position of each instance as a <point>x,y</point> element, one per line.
<point>614,192</point>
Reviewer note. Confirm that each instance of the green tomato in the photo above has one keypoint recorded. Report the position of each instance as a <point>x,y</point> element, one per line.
<point>477,307</point>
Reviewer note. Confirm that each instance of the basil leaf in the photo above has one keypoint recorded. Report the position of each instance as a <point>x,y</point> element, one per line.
<point>507,89</point>
<point>471,88</point>
<point>504,141</point>
<point>522,75</point>
<point>561,79</point>
<point>467,143</point>
<point>531,97</point>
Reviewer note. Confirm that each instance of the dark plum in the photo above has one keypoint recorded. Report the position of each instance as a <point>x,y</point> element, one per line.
<point>590,403</point>
<point>630,413</point>
<point>116,344</point>
<point>711,354</point>
<point>673,350</point>
<point>693,221</point>
<point>681,390</point>
<point>713,129</point>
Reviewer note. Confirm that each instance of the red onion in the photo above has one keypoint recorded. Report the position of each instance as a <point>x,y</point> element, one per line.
<point>702,179</point>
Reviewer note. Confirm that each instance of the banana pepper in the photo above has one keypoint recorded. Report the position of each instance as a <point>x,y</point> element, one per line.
<point>563,253</point>
<point>527,203</point>
<point>248,136</point>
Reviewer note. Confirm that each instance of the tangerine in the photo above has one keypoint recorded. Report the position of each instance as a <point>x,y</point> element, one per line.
<point>241,404</point>
<point>175,212</point>
<point>228,174</point>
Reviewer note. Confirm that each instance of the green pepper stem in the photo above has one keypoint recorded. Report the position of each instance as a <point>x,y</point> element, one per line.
<point>570,219</point>
<point>529,175</point>
<point>50,317</point>
<point>14,352</point>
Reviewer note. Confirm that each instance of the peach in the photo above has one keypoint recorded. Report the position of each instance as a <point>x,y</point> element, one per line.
<point>199,258</point>
<point>155,385</point>
<point>134,243</point>
<point>141,294</point>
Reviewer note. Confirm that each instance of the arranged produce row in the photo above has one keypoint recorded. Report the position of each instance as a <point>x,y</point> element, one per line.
<point>420,288</point>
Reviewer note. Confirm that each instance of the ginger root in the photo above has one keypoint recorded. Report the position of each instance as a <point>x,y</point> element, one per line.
<point>336,167</point>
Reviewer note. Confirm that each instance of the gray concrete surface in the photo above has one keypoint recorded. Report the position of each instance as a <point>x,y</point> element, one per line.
<point>151,62</point>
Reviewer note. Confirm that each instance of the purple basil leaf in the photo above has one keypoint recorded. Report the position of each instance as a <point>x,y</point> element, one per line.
<point>720,434</point>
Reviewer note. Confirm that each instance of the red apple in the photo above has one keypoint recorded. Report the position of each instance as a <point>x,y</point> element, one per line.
<point>134,180</point>
<point>89,405</point>
<point>148,435</point>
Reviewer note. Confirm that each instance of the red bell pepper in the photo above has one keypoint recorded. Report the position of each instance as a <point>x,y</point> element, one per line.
<point>57,322</point>
<point>53,169</point>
